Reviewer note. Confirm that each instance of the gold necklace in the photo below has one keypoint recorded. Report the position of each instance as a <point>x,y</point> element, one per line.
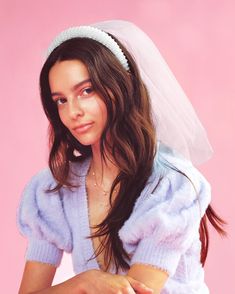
<point>105,192</point>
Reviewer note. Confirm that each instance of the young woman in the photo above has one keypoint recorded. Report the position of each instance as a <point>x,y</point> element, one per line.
<point>121,193</point>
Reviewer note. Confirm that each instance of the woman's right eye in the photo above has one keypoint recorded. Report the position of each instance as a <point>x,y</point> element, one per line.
<point>60,101</point>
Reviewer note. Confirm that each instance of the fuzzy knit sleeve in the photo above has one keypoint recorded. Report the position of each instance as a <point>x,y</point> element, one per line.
<point>41,219</point>
<point>165,223</point>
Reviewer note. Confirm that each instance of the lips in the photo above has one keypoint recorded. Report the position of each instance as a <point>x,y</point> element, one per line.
<point>82,128</point>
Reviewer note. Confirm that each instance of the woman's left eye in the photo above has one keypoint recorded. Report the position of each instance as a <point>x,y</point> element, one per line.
<point>87,91</point>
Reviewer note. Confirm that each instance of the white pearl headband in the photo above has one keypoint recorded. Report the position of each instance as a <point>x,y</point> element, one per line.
<point>91,33</point>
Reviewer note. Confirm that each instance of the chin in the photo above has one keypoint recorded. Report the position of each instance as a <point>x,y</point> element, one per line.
<point>87,139</point>
<point>88,142</point>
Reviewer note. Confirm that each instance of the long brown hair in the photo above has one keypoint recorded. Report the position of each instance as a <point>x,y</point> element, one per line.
<point>133,134</point>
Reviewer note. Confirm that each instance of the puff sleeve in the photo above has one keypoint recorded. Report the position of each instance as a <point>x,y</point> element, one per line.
<point>165,223</point>
<point>41,218</point>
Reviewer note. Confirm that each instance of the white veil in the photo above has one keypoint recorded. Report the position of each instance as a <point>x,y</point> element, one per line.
<point>176,121</point>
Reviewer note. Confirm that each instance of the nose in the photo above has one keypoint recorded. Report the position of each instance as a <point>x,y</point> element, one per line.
<point>75,109</point>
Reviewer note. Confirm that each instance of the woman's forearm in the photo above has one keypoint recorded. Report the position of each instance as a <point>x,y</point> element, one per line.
<point>71,286</point>
<point>95,281</point>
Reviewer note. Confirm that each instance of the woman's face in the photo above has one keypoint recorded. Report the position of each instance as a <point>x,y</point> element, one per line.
<point>80,108</point>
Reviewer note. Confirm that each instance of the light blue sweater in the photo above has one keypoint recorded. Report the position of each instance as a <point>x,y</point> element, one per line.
<point>163,229</point>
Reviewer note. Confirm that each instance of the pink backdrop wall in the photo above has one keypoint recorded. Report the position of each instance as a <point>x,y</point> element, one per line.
<point>197,40</point>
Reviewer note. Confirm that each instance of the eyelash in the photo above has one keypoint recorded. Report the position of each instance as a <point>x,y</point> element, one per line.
<point>91,90</point>
<point>57,101</point>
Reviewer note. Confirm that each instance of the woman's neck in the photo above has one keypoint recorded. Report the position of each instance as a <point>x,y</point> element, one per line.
<point>105,171</point>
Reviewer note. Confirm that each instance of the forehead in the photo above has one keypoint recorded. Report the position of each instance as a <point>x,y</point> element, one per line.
<point>66,74</point>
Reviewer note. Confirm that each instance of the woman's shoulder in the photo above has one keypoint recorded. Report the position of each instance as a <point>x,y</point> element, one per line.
<point>36,201</point>
<point>42,217</point>
<point>44,178</point>
<point>42,220</point>
<point>176,172</point>
<point>175,189</point>
<point>166,217</point>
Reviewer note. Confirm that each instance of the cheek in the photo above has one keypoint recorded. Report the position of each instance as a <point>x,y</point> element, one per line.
<point>63,117</point>
<point>102,111</point>
<point>104,117</point>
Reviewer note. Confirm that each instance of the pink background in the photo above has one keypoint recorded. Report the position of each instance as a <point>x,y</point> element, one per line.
<point>197,40</point>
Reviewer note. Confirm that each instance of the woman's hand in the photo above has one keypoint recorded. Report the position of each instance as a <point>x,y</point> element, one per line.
<point>95,281</point>
<point>37,278</point>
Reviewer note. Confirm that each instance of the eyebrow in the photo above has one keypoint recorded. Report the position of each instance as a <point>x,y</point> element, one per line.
<point>74,88</point>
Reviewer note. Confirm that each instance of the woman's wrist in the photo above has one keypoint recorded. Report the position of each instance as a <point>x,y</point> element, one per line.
<point>85,279</point>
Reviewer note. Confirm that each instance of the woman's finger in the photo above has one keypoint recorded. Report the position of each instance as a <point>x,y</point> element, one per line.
<point>139,287</point>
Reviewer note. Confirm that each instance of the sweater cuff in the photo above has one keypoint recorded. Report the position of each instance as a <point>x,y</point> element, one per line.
<point>158,255</point>
<point>43,251</point>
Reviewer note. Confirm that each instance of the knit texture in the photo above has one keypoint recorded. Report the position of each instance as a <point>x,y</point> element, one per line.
<point>163,229</point>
